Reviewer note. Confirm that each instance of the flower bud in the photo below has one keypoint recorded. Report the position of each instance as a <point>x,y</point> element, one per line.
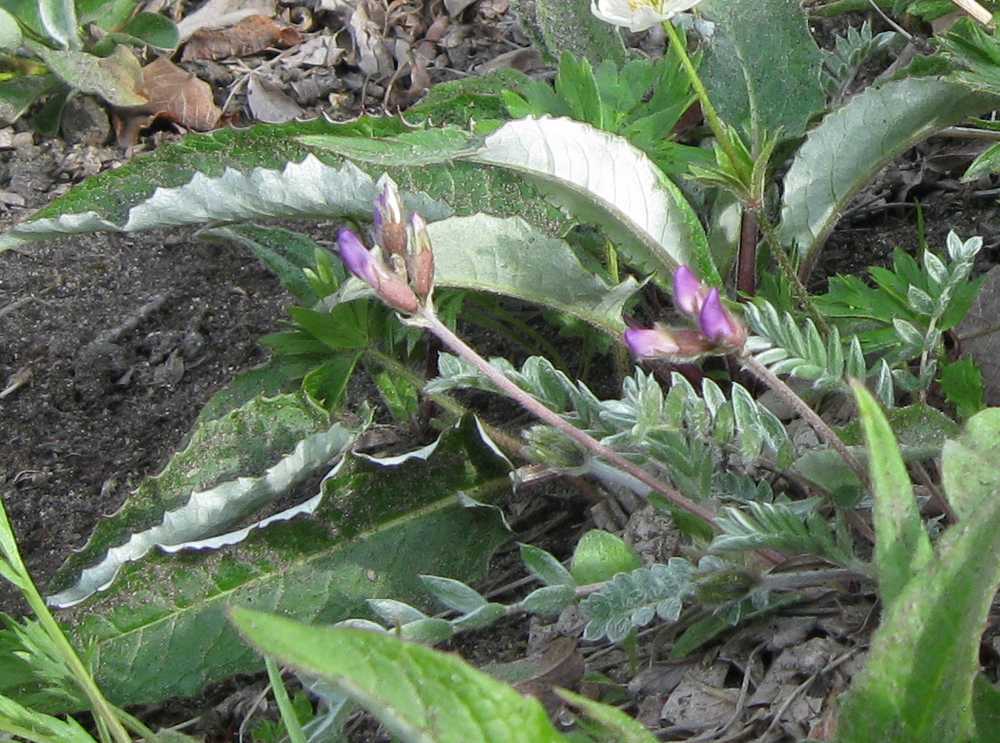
<point>356,257</point>
<point>389,287</point>
<point>689,292</point>
<point>420,258</point>
<point>390,228</point>
<point>669,343</point>
<point>718,325</point>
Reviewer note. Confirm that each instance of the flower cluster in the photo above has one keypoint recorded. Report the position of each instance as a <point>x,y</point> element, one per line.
<point>403,276</point>
<point>717,329</point>
<point>638,15</point>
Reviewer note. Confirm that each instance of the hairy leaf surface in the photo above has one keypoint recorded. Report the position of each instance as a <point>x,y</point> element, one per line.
<point>376,525</point>
<point>852,144</point>
<point>600,177</point>
<point>418,694</point>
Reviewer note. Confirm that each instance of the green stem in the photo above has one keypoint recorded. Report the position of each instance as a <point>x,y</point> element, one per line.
<point>791,275</point>
<point>714,122</point>
<point>288,716</point>
<point>621,359</point>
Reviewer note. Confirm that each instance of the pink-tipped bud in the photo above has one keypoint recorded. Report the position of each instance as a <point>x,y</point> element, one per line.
<point>356,257</point>
<point>389,224</point>
<point>718,325</point>
<point>689,292</point>
<point>420,258</point>
<point>390,288</point>
<point>660,342</point>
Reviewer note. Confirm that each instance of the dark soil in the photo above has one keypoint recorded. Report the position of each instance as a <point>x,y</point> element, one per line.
<point>120,340</point>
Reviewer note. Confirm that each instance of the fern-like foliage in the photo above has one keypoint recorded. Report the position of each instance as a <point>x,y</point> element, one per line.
<point>788,347</point>
<point>841,64</point>
<point>793,528</point>
<point>685,433</point>
<point>632,600</point>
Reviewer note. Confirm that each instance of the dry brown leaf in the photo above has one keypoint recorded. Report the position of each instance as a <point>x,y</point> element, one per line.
<point>178,95</point>
<point>249,36</point>
<point>222,13</point>
<point>269,103</point>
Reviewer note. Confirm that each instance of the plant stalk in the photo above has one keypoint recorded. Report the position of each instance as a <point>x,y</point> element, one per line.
<point>711,116</point>
<point>533,406</point>
<point>787,394</point>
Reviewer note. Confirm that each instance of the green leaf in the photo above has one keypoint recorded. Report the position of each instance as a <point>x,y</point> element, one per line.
<point>231,467</point>
<point>577,86</point>
<point>116,78</point>
<point>762,67</point>
<point>154,29</point>
<point>902,547</point>
<point>615,724</point>
<point>545,567</point>
<point>560,26</point>
<point>510,257</point>
<point>420,147</point>
<point>548,600</point>
<point>18,93</point>
<point>852,144</point>
<point>342,328</point>
<point>918,681</point>
<point>58,19</point>
<point>638,206</point>
<point>418,694</point>
<point>263,171</point>
<point>10,32</point>
<point>969,469</point>
<point>987,163</point>
<point>706,629</point>
<point>284,252</point>
<point>268,380</point>
<point>160,630</point>
<point>633,600</point>
<point>962,384</point>
<point>600,555</point>
<point>326,385</point>
<point>453,593</point>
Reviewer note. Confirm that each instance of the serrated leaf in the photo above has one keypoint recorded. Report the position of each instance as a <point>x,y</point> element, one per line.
<point>902,547</point>
<point>110,197</point>
<point>633,600</point>
<point>648,215</point>
<point>232,467</point>
<point>160,631</point>
<point>852,144</point>
<point>453,593</point>
<point>962,384</point>
<point>416,693</point>
<point>762,66</point>
<point>545,567</point>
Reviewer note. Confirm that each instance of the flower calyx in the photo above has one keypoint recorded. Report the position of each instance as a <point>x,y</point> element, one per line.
<point>718,330</point>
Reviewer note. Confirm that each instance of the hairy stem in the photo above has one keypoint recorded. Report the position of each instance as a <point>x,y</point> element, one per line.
<point>791,275</point>
<point>787,394</point>
<point>545,415</point>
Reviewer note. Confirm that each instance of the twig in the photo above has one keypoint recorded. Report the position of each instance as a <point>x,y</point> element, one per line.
<point>133,321</point>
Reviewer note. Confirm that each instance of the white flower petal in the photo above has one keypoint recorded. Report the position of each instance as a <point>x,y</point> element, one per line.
<point>637,17</point>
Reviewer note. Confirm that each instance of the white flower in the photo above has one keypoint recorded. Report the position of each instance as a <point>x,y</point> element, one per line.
<point>638,15</point>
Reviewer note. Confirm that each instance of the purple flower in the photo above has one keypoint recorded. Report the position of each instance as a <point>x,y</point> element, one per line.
<point>689,292</point>
<point>356,257</point>
<point>718,325</point>
<point>649,343</point>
